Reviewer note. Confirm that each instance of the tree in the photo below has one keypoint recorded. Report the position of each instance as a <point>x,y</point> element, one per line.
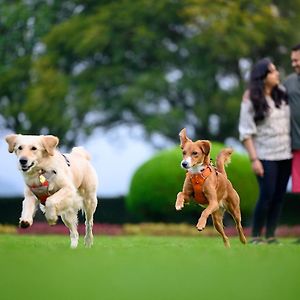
<point>162,64</point>
<point>22,25</point>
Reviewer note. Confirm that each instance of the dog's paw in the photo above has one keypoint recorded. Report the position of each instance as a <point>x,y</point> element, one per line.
<point>52,222</point>
<point>201,225</point>
<point>74,244</point>
<point>179,203</point>
<point>179,206</point>
<point>88,241</point>
<point>24,224</point>
<point>51,216</point>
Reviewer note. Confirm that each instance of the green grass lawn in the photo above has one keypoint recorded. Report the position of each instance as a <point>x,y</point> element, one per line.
<point>143,267</point>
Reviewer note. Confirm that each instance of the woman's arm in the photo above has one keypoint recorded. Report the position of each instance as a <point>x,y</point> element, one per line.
<point>256,164</point>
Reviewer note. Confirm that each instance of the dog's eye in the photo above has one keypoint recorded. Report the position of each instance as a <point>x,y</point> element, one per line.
<point>33,148</point>
<point>195,153</point>
<point>20,148</point>
<point>183,152</point>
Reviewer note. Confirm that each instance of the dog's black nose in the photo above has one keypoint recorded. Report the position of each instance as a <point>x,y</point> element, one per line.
<point>23,161</point>
<point>184,164</point>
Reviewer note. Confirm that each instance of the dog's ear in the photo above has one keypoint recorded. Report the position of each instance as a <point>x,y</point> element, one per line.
<point>204,146</point>
<point>11,141</point>
<point>50,142</point>
<point>183,138</point>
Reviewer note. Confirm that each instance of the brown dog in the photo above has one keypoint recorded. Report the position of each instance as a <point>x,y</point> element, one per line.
<point>208,185</point>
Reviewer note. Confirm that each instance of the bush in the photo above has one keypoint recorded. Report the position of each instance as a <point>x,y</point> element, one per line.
<point>155,184</point>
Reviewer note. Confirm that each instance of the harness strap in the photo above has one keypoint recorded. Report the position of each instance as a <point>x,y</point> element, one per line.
<point>66,159</point>
<point>41,191</point>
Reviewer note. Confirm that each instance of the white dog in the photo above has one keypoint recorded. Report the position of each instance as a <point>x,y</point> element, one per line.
<point>61,184</point>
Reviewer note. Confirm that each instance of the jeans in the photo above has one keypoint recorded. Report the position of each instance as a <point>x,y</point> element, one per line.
<point>272,188</point>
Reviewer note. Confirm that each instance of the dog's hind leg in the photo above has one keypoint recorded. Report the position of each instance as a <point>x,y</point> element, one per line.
<point>236,214</point>
<point>71,221</point>
<point>233,208</point>
<point>217,217</point>
<point>211,208</point>
<point>89,205</point>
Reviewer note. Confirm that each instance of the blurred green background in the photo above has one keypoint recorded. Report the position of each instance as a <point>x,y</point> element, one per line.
<point>162,64</point>
<point>71,67</point>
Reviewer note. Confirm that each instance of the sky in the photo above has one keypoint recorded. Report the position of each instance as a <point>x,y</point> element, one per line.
<point>116,155</point>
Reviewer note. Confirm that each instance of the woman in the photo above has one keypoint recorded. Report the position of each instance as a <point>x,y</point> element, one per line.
<point>264,129</point>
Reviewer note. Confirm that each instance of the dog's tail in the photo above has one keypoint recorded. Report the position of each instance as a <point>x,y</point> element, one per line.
<point>82,152</point>
<point>223,159</point>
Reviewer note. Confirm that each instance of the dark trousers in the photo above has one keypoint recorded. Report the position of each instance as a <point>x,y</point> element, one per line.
<point>272,188</point>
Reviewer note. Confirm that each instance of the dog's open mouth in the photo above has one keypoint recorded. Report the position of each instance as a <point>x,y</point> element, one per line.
<point>26,168</point>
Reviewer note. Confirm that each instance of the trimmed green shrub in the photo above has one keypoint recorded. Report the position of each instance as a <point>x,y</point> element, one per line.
<point>155,185</point>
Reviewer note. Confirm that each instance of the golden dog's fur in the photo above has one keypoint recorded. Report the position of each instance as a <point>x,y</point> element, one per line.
<point>217,189</point>
<point>72,182</point>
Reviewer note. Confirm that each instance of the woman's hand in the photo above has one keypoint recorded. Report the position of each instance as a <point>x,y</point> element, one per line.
<point>256,164</point>
<point>257,167</point>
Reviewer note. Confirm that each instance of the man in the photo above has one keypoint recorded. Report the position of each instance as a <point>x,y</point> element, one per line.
<point>292,85</point>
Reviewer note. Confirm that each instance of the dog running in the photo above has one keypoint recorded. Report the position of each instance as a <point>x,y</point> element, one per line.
<point>208,185</point>
<point>60,184</point>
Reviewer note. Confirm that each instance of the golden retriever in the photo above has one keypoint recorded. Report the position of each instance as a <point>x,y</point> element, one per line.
<point>61,184</point>
<point>208,185</point>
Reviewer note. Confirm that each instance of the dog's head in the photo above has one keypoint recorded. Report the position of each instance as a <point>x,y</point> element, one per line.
<point>194,153</point>
<point>30,149</point>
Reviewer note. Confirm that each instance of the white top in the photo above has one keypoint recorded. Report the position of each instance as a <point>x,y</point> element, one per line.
<point>271,136</point>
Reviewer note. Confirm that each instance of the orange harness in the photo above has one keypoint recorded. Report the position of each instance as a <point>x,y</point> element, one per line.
<point>197,182</point>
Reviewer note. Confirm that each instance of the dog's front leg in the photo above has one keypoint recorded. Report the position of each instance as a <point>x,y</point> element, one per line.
<point>29,207</point>
<point>213,205</point>
<point>56,203</point>
<point>185,195</point>
<point>179,204</point>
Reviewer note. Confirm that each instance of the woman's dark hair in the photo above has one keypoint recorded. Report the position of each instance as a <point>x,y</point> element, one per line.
<point>256,87</point>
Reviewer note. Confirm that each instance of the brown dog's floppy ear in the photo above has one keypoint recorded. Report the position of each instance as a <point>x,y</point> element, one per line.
<point>50,142</point>
<point>205,146</point>
<point>183,138</point>
<point>11,141</point>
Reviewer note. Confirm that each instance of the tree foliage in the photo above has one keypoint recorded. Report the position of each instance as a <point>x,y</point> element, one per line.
<point>71,66</point>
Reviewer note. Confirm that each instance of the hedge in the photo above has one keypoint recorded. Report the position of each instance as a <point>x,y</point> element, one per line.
<point>155,184</point>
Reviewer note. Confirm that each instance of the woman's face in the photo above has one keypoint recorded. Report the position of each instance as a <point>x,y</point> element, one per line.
<point>272,78</point>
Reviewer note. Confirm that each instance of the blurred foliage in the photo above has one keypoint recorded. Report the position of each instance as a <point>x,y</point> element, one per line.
<point>68,67</point>
<point>155,185</point>
<point>165,229</point>
<point>8,229</point>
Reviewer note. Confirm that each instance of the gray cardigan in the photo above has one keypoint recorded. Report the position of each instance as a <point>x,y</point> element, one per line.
<point>292,85</point>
